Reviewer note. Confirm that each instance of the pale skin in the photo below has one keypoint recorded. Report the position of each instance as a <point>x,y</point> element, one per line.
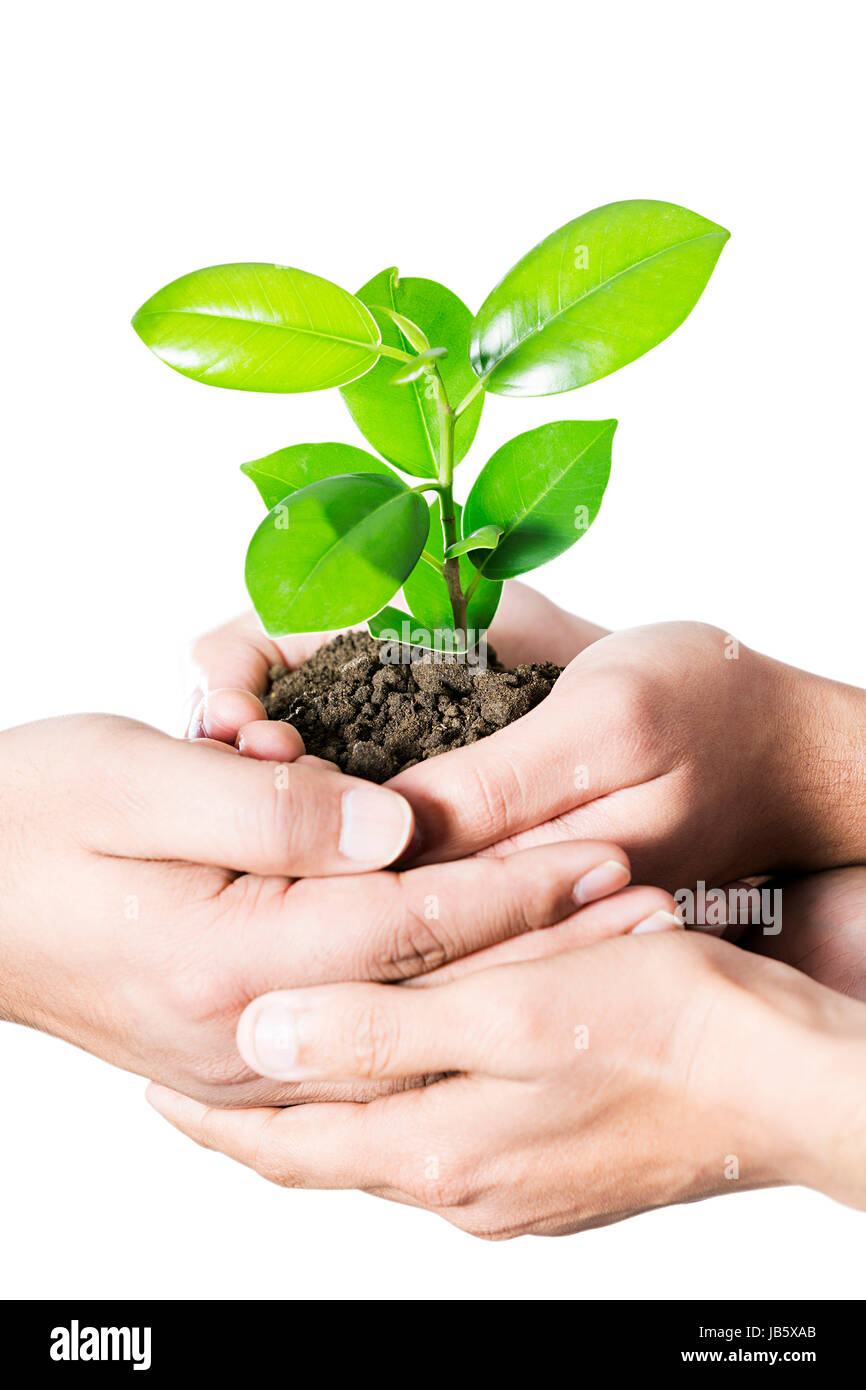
<point>702,758</point>
<point>152,889</point>
<point>144,948</point>
<point>590,1084</point>
<point>705,1068</point>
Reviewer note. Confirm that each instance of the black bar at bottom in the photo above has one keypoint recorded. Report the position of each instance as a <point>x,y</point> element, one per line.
<point>151,1338</point>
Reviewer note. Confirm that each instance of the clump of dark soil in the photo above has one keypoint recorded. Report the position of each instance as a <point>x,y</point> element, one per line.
<point>375,718</point>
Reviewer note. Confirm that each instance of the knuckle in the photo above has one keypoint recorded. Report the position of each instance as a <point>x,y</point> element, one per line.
<point>520,1034</point>
<point>287,819</point>
<point>410,942</point>
<point>484,1227</point>
<point>708,637</point>
<point>371,1039</point>
<point>214,1072</point>
<point>496,794</point>
<point>523,903</point>
<point>447,1182</point>
<point>207,1135</point>
<point>627,694</point>
<point>219,1079</point>
<point>271,1160</point>
<point>112,783</point>
<point>500,1211</point>
<point>635,709</point>
<point>200,994</point>
<point>650,900</point>
<point>247,900</point>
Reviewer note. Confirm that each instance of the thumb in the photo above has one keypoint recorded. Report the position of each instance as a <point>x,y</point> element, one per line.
<point>168,798</point>
<point>544,764</point>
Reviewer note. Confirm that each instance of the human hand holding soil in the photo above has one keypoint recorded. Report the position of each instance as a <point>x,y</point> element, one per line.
<point>149,894</point>
<point>235,660</point>
<point>706,760</point>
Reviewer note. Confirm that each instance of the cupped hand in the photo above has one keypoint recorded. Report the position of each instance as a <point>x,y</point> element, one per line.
<point>234,660</point>
<point>575,1090</point>
<point>705,759</point>
<point>149,894</point>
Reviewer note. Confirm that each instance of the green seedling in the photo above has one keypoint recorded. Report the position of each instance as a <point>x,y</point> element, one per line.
<point>344,531</point>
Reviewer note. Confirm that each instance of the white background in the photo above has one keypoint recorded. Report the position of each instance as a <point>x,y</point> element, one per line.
<point>446,138</point>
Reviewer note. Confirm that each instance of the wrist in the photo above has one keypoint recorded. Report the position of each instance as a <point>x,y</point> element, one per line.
<point>831,1154</point>
<point>783,1065</point>
<point>822,759</point>
<point>815,1098</point>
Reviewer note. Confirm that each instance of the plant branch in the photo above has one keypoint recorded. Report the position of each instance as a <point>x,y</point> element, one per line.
<point>470,396</point>
<point>450,568</point>
<point>397,353</point>
<point>429,487</point>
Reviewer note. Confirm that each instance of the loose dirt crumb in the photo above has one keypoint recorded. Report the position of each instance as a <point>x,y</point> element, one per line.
<point>375,719</point>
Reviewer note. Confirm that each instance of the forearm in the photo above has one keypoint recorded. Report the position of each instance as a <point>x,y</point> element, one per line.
<point>832,1157</point>
<point>825,771</point>
<point>799,1076</point>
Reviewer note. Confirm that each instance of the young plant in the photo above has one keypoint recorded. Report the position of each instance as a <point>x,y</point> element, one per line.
<point>344,532</point>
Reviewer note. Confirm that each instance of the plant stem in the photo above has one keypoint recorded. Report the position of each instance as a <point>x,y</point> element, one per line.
<point>397,353</point>
<point>470,396</point>
<point>450,568</point>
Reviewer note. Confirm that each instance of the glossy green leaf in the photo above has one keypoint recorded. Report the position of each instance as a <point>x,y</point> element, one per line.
<point>426,592</point>
<point>259,327</point>
<point>335,552</point>
<point>593,296</point>
<point>401,422</point>
<point>398,628</point>
<point>387,621</point>
<point>287,470</point>
<point>395,625</point>
<point>544,488</point>
<point>485,538</point>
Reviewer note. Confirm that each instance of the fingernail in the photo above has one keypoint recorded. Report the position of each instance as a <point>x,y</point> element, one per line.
<point>195,728</point>
<point>376,825</point>
<point>659,921</point>
<point>192,707</point>
<point>202,718</point>
<point>275,1042</point>
<point>599,882</point>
